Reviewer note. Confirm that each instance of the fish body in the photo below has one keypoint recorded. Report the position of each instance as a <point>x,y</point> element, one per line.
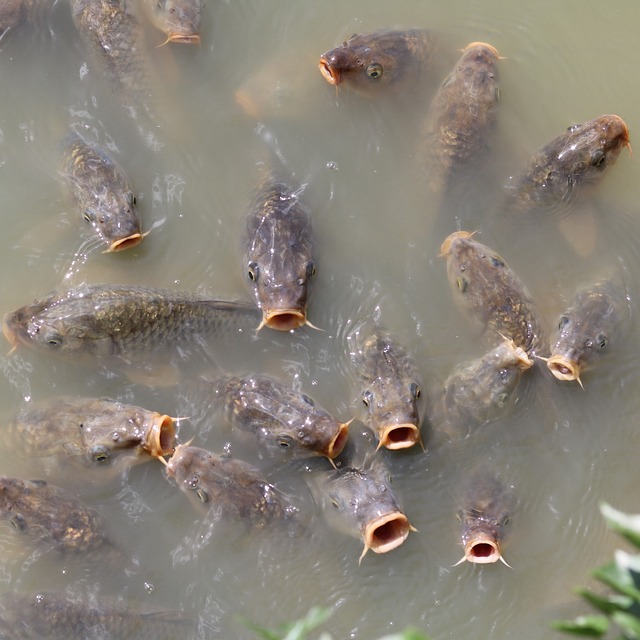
<point>361,503</point>
<point>478,391</point>
<point>488,290</point>
<point>92,432</point>
<point>179,20</point>
<point>587,329</point>
<point>462,115</point>
<point>113,320</point>
<point>14,13</point>
<point>575,158</point>
<point>280,416</point>
<point>101,192</point>
<point>278,245</point>
<point>231,487</point>
<point>51,517</point>
<point>486,510</point>
<point>52,616</point>
<point>391,388</point>
<point>381,61</point>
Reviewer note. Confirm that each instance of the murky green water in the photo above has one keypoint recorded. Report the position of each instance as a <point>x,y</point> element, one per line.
<point>563,450</point>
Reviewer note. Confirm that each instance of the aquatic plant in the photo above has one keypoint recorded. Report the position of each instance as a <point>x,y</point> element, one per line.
<point>619,610</point>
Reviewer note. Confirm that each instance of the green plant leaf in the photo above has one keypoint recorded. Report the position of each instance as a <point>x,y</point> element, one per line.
<point>408,634</point>
<point>313,619</point>
<point>591,626</point>
<point>606,604</point>
<point>626,525</point>
<point>629,623</point>
<point>618,578</point>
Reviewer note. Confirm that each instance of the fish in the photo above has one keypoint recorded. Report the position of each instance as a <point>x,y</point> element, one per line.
<point>94,433</point>
<point>51,517</point>
<point>179,20</point>
<point>587,328</point>
<point>232,487</point>
<point>115,320</point>
<point>564,166</point>
<point>14,13</point>
<point>281,416</point>
<point>461,116</point>
<point>390,385</point>
<point>277,253</point>
<point>480,390</point>
<point>381,61</point>
<point>486,510</point>
<point>361,503</point>
<point>488,289</point>
<point>46,615</point>
<point>101,192</point>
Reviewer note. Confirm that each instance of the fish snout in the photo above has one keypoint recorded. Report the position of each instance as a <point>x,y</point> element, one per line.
<point>283,319</point>
<point>564,368</point>
<point>160,439</point>
<point>385,533</point>
<point>399,436</point>
<point>330,65</point>
<point>338,442</point>
<point>483,548</point>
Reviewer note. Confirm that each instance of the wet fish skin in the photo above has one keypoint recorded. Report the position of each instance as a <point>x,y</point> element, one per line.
<point>53,616</point>
<point>587,328</point>
<point>232,487</point>
<point>179,20</point>
<point>51,517</point>
<point>577,157</point>
<point>101,192</point>
<point>14,13</point>
<point>92,432</point>
<point>391,388</point>
<point>118,320</point>
<point>486,510</point>
<point>488,290</point>
<point>374,63</point>
<point>461,115</point>
<point>281,416</point>
<point>278,248</point>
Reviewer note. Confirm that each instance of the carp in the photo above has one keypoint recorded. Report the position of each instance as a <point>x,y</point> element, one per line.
<point>179,20</point>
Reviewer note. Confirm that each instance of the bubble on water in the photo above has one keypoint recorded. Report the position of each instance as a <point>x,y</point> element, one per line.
<point>148,587</point>
<point>333,166</point>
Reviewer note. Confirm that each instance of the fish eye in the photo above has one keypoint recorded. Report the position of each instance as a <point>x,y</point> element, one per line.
<point>415,390</point>
<point>505,519</point>
<point>374,70</point>
<point>311,269</point>
<point>203,495</point>
<point>367,397</point>
<point>252,272</point>
<point>564,321</point>
<point>601,341</point>
<point>100,455</point>
<point>598,158</point>
<point>462,283</point>
<point>284,442</point>
<point>193,481</point>
<point>130,198</point>
<point>53,340</point>
<point>335,504</point>
<point>18,522</point>
<point>496,262</point>
<point>305,398</point>
<point>87,216</point>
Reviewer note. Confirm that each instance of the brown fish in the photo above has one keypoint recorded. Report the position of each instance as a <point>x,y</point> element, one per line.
<point>179,20</point>
<point>360,502</point>
<point>92,432</point>
<point>485,286</point>
<point>231,487</point>
<point>574,159</point>
<point>388,59</point>
<point>101,192</point>
<point>485,513</point>
<point>587,329</point>
<point>461,115</point>
<point>53,616</point>
<point>278,259</point>
<point>114,320</point>
<point>14,13</point>
<point>281,416</point>
<point>51,517</point>
<point>390,390</point>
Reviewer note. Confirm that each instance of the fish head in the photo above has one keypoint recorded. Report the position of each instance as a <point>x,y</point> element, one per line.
<point>11,489</point>
<point>190,466</point>
<point>179,19</point>
<point>320,434</point>
<point>482,533</point>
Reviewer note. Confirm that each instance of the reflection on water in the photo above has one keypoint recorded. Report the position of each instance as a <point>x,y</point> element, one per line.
<point>378,230</point>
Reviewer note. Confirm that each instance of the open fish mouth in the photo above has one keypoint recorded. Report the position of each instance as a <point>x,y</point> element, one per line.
<point>482,549</point>
<point>492,50</point>
<point>283,319</point>
<point>445,248</point>
<point>183,38</point>
<point>386,533</point>
<point>329,72</point>
<point>563,368</point>
<point>399,436</point>
<point>339,441</point>
<point>160,438</point>
<point>125,243</point>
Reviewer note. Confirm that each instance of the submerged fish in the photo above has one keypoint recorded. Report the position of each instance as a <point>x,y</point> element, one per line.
<point>587,328</point>
<point>360,502</point>
<point>52,616</point>
<point>388,59</point>
<point>101,192</point>
<point>51,517</point>
<point>232,487</point>
<point>14,13</point>
<point>573,159</point>
<point>390,390</point>
<point>278,254</point>
<point>113,320</point>
<point>179,20</point>
<point>486,511</point>
<point>478,391</point>
<point>92,432</point>
<point>461,114</point>
<point>281,416</point>
<point>485,286</point>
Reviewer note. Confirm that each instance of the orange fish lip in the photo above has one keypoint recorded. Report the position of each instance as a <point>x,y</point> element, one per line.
<point>490,47</point>
<point>385,533</point>
<point>126,243</point>
<point>184,38</point>
<point>399,436</point>
<point>563,368</point>
<point>329,72</point>
<point>159,440</point>
<point>339,441</point>
<point>482,549</point>
<point>445,248</point>
<point>283,319</point>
